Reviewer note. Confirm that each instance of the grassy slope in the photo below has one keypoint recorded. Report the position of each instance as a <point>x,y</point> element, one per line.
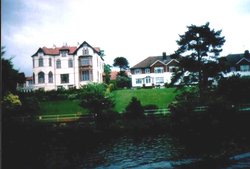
<point>159,97</point>
<point>61,107</point>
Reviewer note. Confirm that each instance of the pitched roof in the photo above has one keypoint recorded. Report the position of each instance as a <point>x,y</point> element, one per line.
<point>150,60</point>
<point>71,49</point>
<point>232,59</point>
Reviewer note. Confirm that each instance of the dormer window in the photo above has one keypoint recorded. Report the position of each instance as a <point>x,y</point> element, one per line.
<point>137,71</point>
<point>158,70</point>
<point>64,53</point>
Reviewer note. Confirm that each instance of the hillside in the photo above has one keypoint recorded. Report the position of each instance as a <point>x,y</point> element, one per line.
<point>159,97</point>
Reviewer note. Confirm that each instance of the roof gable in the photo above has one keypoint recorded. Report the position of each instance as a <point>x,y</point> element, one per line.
<point>95,49</point>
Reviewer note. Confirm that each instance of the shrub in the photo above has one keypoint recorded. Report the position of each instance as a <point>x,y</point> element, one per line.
<point>134,110</point>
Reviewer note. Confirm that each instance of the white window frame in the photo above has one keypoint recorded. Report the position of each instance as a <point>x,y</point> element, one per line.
<point>137,71</point>
<point>158,69</point>
<point>147,70</point>
<point>244,68</point>
<point>138,81</point>
<point>159,80</point>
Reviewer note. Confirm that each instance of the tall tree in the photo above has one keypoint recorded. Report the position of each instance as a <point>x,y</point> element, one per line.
<point>200,47</point>
<point>10,76</point>
<point>121,62</point>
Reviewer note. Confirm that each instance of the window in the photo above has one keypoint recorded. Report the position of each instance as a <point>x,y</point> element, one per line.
<point>158,69</point>
<point>172,69</point>
<point>58,64</point>
<point>64,53</point>
<point>70,63</point>
<point>137,71</point>
<point>34,77</point>
<point>50,77</point>
<point>159,80</point>
<point>232,69</point>
<point>40,62</point>
<point>50,62</point>
<point>147,70</point>
<point>41,77</point>
<point>85,50</point>
<point>244,68</point>
<point>64,78</point>
<point>138,81</point>
<point>85,75</point>
<point>84,61</point>
<point>33,61</point>
<point>148,79</point>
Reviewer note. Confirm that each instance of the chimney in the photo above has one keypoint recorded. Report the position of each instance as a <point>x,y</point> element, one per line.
<point>246,54</point>
<point>164,56</point>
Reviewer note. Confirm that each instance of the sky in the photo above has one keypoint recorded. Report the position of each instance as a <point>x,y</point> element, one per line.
<point>134,29</point>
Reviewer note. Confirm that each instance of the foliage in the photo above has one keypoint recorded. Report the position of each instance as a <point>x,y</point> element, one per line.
<point>30,105</point>
<point>11,102</point>
<point>10,76</point>
<point>107,71</point>
<point>184,103</point>
<point>236,89</point>
<point>201,47</point>
<point>121,62</point>
<point>134,110</point>
<point>94,97</point>
<point>123,82</point>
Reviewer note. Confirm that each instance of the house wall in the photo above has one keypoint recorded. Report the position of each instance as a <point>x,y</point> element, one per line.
<point>166,76</point>
<point>73,73</point>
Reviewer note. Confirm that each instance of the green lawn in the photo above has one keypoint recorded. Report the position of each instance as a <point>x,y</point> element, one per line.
<point>61,107</point>
<point>159,97</point>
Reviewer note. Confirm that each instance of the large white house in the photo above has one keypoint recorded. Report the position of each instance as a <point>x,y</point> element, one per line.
<point>67,67</point>
<point>153,71</point>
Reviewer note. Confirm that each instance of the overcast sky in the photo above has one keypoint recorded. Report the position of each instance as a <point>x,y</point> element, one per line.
<point>134,29</point>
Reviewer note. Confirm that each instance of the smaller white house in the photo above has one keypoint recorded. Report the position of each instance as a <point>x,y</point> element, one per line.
<point>153,71</point>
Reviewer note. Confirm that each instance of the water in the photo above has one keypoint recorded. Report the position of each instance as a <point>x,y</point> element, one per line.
<point>65,151</point>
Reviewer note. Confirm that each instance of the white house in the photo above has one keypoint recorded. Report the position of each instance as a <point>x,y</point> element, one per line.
<point>238,64</point>
<point>67,67</point>
<point>153,71</point>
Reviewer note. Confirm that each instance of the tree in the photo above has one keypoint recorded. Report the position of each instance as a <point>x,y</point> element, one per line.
<point>121,62</point>
<point>200,47</point>
<point>10,76</point>
<point>134,109</point>
<point>107,71</point>
<point>94,97</point>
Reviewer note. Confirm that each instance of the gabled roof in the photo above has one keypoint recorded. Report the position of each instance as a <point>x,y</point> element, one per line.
<point>72,49</point>
<point>95,49</point>
<point>233,59</point>
<point>148,62</point>
<point>56,50</point>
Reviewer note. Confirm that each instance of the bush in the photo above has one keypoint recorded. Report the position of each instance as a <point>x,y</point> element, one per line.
<point>134,110</point>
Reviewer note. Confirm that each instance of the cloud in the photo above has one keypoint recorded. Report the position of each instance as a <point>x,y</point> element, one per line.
<point>133,29</point>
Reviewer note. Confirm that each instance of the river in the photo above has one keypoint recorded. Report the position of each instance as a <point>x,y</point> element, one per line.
<point>147,152</point>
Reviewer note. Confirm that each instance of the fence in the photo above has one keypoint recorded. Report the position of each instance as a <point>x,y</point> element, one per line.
<point>157,112</point>
<point>64,117</point>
